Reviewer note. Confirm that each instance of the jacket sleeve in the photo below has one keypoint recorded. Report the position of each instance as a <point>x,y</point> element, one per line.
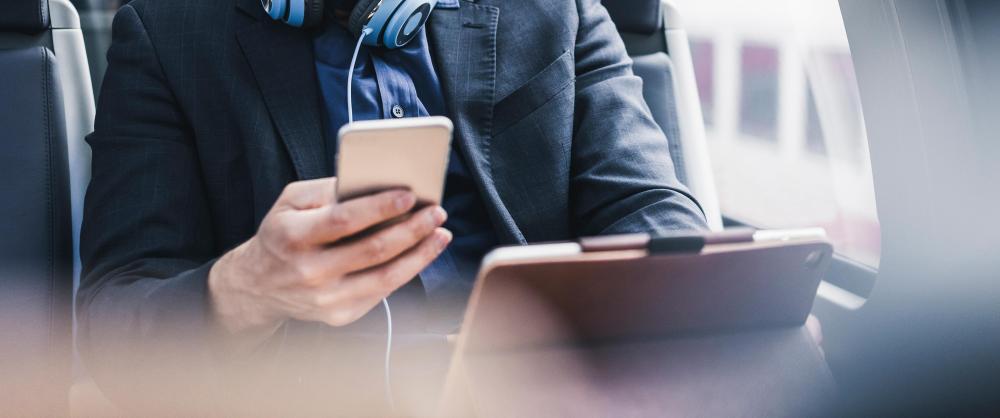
<point>622,177</point>
<point>147,243</point>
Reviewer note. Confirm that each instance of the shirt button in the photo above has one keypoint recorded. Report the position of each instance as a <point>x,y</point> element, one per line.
<point>397,111</point>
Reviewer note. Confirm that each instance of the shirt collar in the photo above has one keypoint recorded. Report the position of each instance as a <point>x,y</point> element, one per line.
<point>447,4</point>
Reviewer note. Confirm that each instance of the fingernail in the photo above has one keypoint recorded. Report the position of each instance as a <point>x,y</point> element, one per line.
<point>442,239</point>
<point>438,215</point>
<point>405,201</point>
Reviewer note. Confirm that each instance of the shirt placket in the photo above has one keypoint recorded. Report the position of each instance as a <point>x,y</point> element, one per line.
<point>397,93</point>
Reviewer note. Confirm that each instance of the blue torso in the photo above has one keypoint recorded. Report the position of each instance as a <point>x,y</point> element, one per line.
<point>405,78</point>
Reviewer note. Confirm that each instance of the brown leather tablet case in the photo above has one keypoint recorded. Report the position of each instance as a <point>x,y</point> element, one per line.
<point>541,321</point>
<point>636,287</point>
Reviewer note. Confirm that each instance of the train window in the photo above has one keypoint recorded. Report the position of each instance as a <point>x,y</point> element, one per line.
<point>784,122</point>
<point>814,132</point>
<point>759,92</point>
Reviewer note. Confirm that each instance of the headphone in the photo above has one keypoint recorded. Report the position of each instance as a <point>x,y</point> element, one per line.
<point>380,23</point>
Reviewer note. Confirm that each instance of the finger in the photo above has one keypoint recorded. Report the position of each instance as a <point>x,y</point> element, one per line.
<point>329,303</point>
<point>379,282</point>
<point>344,315</point>
<point>380,247</point>
<point>308,194</point>
<point>358,294</point>
<point>334,222</point>
<point>342,302</point>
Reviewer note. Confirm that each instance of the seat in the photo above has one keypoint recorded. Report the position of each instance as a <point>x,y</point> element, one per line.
<point>96,17</point>
<point>661,56</point>
<point>45,110</point>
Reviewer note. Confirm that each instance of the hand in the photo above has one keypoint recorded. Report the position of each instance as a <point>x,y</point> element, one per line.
<point>306,261</point>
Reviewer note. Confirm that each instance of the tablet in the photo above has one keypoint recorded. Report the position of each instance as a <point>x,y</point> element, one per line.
<point>638,287</point>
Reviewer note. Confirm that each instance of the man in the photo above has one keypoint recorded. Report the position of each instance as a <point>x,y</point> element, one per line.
<point>211,231</point>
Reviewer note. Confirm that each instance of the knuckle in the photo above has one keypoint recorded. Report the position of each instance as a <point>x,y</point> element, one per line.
<point>278,240</point>
<point>387,207</point>
<point>269,225</point>
<point>338,220</point>
<point>306,273</point>
<point>375,248</point>
<point>281,227</point>
<point>287,240</point>
<point>289,189</point>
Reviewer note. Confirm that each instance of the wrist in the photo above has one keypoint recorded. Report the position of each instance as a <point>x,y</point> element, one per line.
<point>233,305</point>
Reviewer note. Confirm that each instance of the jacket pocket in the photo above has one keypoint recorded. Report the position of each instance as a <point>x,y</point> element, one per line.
<point>534,93</point>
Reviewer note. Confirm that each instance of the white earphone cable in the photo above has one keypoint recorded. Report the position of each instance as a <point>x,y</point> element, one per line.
<point>385,302</point>
<point>388,354</point>
<point>350,74</point>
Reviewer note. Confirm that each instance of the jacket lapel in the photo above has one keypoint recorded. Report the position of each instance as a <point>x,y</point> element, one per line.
<point>463,45</point>
<point>281,58</point>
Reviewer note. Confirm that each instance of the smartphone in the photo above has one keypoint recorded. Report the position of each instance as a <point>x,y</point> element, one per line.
<point>412,153</point>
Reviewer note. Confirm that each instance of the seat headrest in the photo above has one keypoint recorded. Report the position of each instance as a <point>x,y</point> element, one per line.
<point>635,16</point>
<point>24,16</point>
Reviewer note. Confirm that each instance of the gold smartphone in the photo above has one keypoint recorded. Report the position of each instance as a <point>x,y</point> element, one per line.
<point>412,153</point>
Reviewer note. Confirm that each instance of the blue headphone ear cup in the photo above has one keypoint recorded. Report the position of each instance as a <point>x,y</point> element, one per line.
<point>313,13</point>
<point>276,9</point>
<point>406,22</point>
<point>298,13</point>
<point>360,15</point>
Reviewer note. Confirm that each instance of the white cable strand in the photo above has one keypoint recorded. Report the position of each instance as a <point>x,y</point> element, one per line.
<point>388,355</point>
<point>385,301</point>
<point>350,74</point>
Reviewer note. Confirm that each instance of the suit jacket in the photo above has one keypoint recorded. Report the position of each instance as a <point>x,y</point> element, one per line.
<point>208,109</point>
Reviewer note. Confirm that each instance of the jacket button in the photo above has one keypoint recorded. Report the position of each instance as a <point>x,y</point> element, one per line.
<point>397,111</point>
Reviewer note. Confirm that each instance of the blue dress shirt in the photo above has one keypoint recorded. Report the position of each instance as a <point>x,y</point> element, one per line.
<point>403,83</point>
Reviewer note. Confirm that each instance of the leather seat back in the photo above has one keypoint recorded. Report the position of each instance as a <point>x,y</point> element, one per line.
<point>36,249</point>
<point>36,222</point>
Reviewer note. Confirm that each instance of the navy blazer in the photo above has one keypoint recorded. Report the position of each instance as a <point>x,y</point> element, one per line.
<point>209,109</point>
